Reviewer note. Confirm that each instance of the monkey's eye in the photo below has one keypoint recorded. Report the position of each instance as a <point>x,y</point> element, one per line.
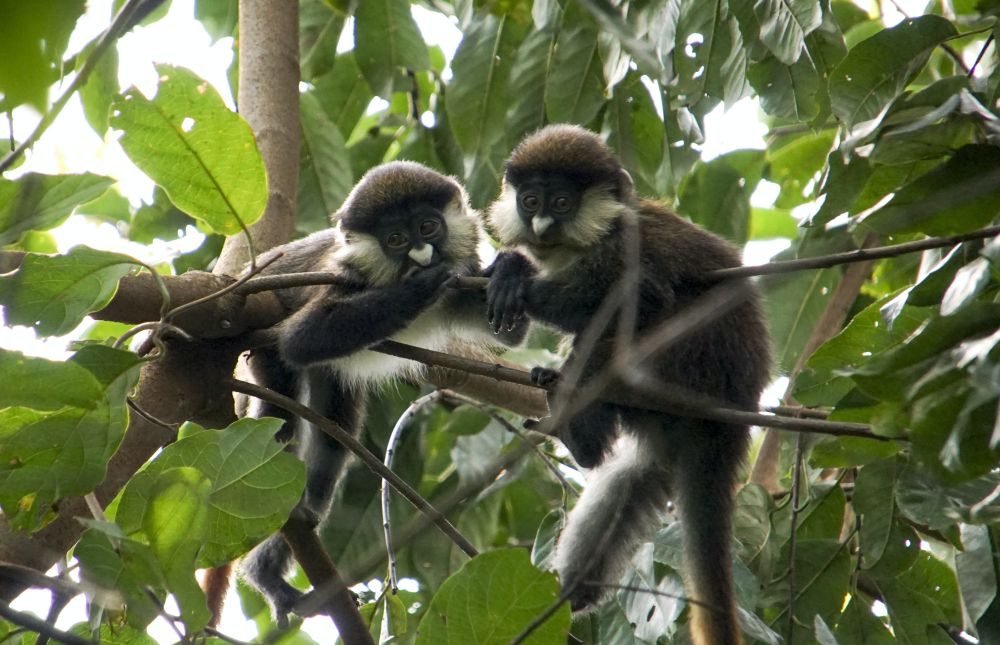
<point>396,240</point>
<point>530,202</point>
<point>429,227</point>
<point>561,204</point>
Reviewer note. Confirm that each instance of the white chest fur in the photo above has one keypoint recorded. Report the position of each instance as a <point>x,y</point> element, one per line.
<point>428,330</point>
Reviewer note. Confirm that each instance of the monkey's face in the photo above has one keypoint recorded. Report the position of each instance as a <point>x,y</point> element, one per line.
<point>414,236</point>
<point>545,205</point>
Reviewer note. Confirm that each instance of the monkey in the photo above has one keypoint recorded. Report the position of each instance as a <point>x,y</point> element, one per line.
<point>401,233</point>
<point>562,216</point>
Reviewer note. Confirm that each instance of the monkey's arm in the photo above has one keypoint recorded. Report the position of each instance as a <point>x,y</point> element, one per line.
<point>330,327</point>
<point>515,290</point>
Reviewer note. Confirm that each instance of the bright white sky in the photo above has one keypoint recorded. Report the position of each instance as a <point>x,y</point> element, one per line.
<point>70,145</point>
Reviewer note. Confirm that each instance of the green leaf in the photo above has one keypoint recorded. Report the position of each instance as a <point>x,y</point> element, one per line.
<point>787,91</point>
<point>717,194</point>
<point>36,202</point>
<point>784,24</point>
<point>125,568</point>
<point>42,384</point>
<point>714,62</point>
<point>857,624</point>
<point>796,165</point>
<point>33,37</point>
<point>325,176</point>
<point>874,501</point>
<point>879,68</point>
<point>386,40</point>
<point>771,223</point>
<point>533,64</point>
<point>794,306</point>
<point>822,573</point>
<point>254,485</point>
<point>54,293</point>
<point>969,282</point>
<point>102,84</point>
<point>477,96</point>
<point>848,452</point>
<point>490,600</point>
<point>575,89</point>
<point>49,451</point>
<point>344,93</point>
<point>319,31</point>
<point>196,149</point>
<point>960,195</point>
<point>823,382</point>
<point>176,523</point>
<point>976,571</point>
<point>634,130</point>
<point>926,501</point>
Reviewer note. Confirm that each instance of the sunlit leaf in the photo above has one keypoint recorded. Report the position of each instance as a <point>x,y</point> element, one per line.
<point>195,148</point>
<point>36,202</point>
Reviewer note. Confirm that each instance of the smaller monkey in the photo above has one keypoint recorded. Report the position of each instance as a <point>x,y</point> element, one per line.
<point>403,231</point>
<point>565,204</point>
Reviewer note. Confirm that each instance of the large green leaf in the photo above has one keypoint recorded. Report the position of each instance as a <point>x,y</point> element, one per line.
<point>575,88</point>
<point>529,80</point>
<point>325,175</point>
<point>716,194</point>
<point>64,422</point>
<point>874,501</point>
<point>634,130</point>
<point>784,24</point>
<point>54,293</point>
<point>36,202</point>
<point>708,54</point>
<point>490,600</point>
<point>343,93</point>
<point>200,152</point>
<point>33,37</point>
<point>254,485</point>
<point>387,40</point>
<point>877,69</point>
<point>958,196</point>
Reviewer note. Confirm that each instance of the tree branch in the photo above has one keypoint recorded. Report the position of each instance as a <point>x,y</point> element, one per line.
<point>36,624</point>
<point>365,455</point>
<point>335,599</point>
<point>859,255</point>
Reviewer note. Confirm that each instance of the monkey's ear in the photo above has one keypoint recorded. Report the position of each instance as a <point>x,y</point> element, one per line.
<point>626,187</point>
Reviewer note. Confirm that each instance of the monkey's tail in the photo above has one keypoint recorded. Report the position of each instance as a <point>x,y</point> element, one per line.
<point>704,495</point>
<point>617,510</point>
<point>216,586</point>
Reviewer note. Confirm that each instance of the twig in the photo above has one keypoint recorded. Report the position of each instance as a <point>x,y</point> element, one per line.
<point>365,455</point>
<point>118,27</point>
<point>859,255</point>
<point>390,453</point>
<point>979,57</point>
<point>796,486</point>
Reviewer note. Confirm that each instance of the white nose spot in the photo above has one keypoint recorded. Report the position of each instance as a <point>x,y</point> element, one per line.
<point>423,255</point>
<point>541,224</point>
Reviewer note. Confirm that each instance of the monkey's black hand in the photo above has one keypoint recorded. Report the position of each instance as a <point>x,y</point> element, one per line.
<point>544,377</point>
<point>509,276</point>
<point>425,284</point>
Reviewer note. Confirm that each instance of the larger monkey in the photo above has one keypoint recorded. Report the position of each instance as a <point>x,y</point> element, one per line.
<point>565,204</point>
<point>402,232</point>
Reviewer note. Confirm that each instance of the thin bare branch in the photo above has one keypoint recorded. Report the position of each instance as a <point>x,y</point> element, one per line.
<point>36,624</point>
<point>859,255</point>
<point>365,455</point>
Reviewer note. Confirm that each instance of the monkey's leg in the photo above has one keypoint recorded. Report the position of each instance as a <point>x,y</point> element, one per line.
<point>706,465</point>
<point>265,568</point>
<point>621,503</point>
<point>268,370</point>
